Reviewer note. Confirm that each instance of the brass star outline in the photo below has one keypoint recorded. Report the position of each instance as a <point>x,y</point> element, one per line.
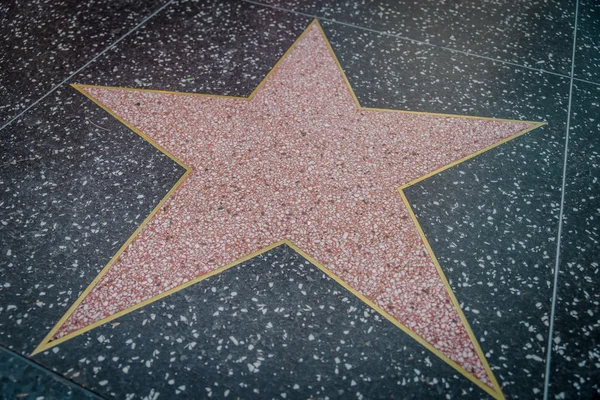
<point>495,392</point>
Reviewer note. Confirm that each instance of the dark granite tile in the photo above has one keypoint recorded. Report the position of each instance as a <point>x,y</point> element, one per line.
<point>510,30</point>
<point>72,179</point>
<point>23,379</point>
<point>492,221</point>
<point>70,188</point>
<point>387,72</point>
<point>576,352</point>
<point>74,185</point>
<point>587,55</point>
<point>201,47</point>
<point>43,42</point>
<point>273,327</point>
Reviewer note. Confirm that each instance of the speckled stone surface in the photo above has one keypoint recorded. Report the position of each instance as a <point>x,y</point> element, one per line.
<point>98,216</point>
<point>43,42</point>
<point>587,56</point>
<point>75,184</point>
<point>23,379</point>
<point>214,47</point>
<point>274,327</point>
<point>494,239</point>
<point>492,221</point>
<point>508,30</point>
<point>332,190</point>
<point>387,72</point>
<point>576,355</point>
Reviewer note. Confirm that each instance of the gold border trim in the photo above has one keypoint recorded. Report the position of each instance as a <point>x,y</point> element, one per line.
<point>496,393</point>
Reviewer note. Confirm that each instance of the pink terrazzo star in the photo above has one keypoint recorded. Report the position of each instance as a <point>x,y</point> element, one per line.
<point>299,161</point>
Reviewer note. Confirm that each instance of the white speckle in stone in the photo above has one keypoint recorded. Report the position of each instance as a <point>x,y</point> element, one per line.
<point>534,357</point>
<point>539,337</point>
<point>557,340</point>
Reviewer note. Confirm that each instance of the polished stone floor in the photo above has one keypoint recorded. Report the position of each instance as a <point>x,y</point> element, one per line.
<point>299,199</point>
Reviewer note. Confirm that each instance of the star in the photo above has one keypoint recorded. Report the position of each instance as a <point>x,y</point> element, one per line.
<point>298,162</point>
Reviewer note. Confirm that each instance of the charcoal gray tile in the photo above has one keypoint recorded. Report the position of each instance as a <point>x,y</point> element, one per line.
<point>587,55</point>
<point>196,46</point>
<point>74,185</point>
<point>492,221</point>
<point>576,351</point>
<point>274,327</point>
<point>23,379</point>
<point>511,30</point>
<point>43,42</point>
<point>387,72</point>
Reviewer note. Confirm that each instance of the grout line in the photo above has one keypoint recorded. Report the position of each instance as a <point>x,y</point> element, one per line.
<point>55,375</point>
<point>560,217</point>
<point>109,47</point>
<point>450,49</point>
<point>586,81</point>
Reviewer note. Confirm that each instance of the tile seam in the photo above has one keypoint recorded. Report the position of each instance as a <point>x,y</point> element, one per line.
<point>55,375</point>
<point>560,218</point>
<point>586,81</point>
<point>90,61</point>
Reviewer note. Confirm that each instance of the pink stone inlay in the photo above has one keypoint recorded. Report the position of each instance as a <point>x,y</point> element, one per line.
<point>299,161</point>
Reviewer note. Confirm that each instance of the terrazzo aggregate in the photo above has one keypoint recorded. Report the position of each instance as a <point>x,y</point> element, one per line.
<point>576,340</point>
<point>491,212</point>
<point>22,379</point>
<point>43,42</point>
<point>274,327</point>
<point>71,177</point>
<point>255,181</point>
<point>507,30</point>
<point>58,229</point>
<point>587,56</point>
